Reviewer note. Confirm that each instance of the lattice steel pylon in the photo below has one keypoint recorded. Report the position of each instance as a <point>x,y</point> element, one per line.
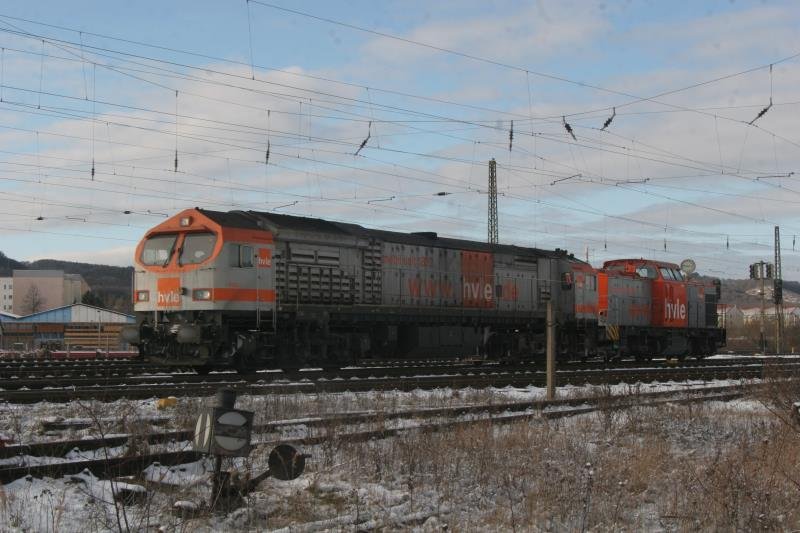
<point>777,292</point>
<point>493,233</point>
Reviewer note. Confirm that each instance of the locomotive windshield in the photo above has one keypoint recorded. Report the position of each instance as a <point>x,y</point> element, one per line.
<point>197,247</point>
<point>646,271</point>
<point>671,274</point>
<point>158,250</point>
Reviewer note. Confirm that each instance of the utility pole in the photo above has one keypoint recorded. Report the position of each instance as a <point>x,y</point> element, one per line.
<point>762,336</point>
<point>551,342</point>
<point>551,351</point>
<point>763,271</point>
<point>777,292</point>
<point>493,233</point>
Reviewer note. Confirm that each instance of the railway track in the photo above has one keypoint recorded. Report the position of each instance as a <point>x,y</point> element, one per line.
<point>345,426</point>
<point>27,374</point>
<point>70,373</point>
<point>134,363</point>
<point>361,379</point>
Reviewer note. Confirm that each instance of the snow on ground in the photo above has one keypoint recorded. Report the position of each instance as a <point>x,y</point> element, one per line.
<point>718,465</point>
<point>755,357</point>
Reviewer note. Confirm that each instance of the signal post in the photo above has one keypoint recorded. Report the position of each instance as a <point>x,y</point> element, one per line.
<point>551,351</point>
<point>763,271</point>
<point>226,431</point>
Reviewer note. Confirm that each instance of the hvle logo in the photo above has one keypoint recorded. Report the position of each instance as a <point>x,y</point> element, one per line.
<point>169,292</point>
<point>264,258</point>
<point>674,310</point>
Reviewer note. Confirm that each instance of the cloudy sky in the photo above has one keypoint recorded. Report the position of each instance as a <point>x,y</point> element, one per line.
<point>98,100</point>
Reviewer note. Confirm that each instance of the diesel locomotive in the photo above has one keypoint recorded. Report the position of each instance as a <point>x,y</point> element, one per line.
<point>247,289</point>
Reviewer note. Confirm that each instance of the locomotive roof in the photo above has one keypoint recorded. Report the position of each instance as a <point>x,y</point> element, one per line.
<point>256,219</point>
<point>641,261</point>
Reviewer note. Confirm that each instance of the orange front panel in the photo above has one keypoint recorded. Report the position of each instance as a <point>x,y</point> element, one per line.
<point>669,304</point>
<point>169,292</point>
<point>264,258</point>
<point>602,292</point>
<point>243,295</point>
<point>477,272</point>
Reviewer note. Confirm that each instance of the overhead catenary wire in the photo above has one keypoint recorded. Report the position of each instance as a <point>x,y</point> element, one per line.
<point>782,138</point>
<point>573,114</point>
<point>384,90</point>
<point>607,123</point>
<point>764,111</point>
<point>473,57</point>
<point>568,128</point>
<point>250,40</point>
<point>535,137</point>
<point>327,162</point>
<point>364,142</point>
<point>176,131</point>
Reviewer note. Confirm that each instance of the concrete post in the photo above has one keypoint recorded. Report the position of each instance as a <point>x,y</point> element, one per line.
<point>551,351</point>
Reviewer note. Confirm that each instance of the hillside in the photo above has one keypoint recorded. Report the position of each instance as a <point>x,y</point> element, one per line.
<point>111,284</point>
<point>7,265</point>
<point>746,292</point>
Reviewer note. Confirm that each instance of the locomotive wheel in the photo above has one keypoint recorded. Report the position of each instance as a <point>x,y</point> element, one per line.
<point>240,364</point>
<point>202,370</point>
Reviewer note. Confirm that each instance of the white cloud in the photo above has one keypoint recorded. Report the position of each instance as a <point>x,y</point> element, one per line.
<point>312,155</point>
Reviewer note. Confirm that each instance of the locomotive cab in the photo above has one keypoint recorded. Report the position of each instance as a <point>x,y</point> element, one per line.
<point>195,281</point>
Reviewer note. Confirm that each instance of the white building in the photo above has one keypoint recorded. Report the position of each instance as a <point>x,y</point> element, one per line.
<point>791,315</point>
<point>39,290</point>
<point>6,294</point>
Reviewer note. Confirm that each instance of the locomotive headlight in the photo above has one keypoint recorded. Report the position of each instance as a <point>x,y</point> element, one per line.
<point>201,294</point>
<point>142,296</point>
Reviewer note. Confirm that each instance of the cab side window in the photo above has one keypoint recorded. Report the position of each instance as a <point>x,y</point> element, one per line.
<point>646,272</point>
<point>246,256</point>
<point>667,274</point>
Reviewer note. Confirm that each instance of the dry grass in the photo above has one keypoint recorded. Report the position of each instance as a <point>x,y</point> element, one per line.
<point>712,466</point>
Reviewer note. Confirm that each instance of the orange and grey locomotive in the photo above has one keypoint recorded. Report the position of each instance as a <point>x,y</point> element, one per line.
<point>246,289</point>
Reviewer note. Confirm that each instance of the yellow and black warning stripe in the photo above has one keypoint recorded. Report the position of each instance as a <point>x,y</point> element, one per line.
<point>612,332</point>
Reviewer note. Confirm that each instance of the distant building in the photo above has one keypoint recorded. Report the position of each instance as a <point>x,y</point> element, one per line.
<point>791,315</point>
<point>38,290</point>
<point>6,294</point>
<point>77,326</point>
<point>731,315</point>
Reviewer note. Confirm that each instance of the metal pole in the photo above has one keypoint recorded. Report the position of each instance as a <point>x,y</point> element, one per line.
<point>551,352</point>
<point>777,286</point>
<point>217,481</point>
<point>493,230</point>
<point>226,399</point>
<point>763,338</point>
<point>777,329</point>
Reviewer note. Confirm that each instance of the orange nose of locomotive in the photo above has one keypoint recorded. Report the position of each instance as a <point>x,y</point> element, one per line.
<point>193,262</point>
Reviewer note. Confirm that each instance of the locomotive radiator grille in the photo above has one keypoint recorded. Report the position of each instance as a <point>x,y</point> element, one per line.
<point>371,265</point>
